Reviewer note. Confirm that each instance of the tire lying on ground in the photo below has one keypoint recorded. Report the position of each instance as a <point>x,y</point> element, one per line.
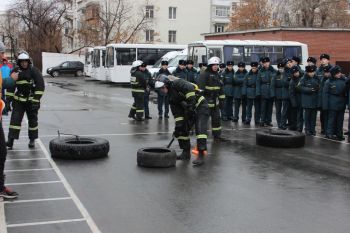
<point>81,148</point>
<point>280,138</point>
<point>154,157</point>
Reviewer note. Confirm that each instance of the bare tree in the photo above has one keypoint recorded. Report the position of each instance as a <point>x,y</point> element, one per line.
<point>41,24</point>
<point>121,22</point>
<point>252,14</point>
<point>313,13</point>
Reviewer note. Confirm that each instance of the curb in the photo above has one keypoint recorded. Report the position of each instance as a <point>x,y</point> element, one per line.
<point>3,228</point>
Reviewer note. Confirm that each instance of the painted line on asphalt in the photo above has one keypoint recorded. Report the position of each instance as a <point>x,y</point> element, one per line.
<point>9,160</point>
<point>39,182</point>
<point>45,223</point>
<point>38,200</point>
<point>3,228</point>
<point>23,150</point>
<point>327,139</point>
<point>101,135</point>
<point>76,200</point>
<point>28,170</point>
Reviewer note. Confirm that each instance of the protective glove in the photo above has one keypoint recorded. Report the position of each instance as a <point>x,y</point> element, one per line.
<point>35,106</point>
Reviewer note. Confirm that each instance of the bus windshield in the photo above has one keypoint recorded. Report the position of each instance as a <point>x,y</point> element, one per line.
<point>175,61</point>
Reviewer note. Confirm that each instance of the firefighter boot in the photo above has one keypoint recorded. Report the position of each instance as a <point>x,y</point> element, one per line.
<point>9,143</point>
<point>199,160</point>
<point>31,143</point>
<point>185,155</point>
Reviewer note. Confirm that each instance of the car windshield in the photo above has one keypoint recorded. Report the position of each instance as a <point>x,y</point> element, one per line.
<point>158,63</point>
<point>175,61</point>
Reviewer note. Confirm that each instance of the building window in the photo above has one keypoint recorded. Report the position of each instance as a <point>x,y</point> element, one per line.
<point>149,12</point>
<point>172,36</point>
<point>222,11</point>
<point>149,35</point>
<point>172,12</point>
<point>234,6</point>
<point>219,28</point>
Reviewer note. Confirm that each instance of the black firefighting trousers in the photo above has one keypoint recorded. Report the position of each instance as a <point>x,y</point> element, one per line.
<point>19,108</point>
<point>185,124</point>
<point>138,105</point>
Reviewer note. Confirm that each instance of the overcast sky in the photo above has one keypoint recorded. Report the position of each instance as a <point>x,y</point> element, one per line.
<point>4,3</point>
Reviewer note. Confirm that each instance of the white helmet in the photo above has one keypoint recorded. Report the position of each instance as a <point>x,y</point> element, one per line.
<point>214,61</point>
<point>159,84</point>
<point>137,63</point>
<point>23,56</point>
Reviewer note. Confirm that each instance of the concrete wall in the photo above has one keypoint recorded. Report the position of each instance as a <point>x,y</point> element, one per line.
<point>54,59</point>
<point>335,43</point>
<point>192,19</point>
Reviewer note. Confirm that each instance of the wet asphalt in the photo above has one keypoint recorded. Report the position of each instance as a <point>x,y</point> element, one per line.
<point>241,188</point>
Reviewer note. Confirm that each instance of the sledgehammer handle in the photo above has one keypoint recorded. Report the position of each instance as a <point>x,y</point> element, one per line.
<point>171,142</point>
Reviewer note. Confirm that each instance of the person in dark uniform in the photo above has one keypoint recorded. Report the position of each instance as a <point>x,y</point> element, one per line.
<point>210,82</point>
<point>5,192</point>
<point>334,100</point>
<point>296,112</point>
<point>189,108</point>
<point>280,89</point>
<point>27,93</point>
<point>138,82</point>
<point>228,76</point>
<point>323,75</point>
<point>192,73</point>
<point>249,92</point>
<point>265,76</point>
<point>149,85</point>
<point>162,98</point>
<point>296,62</point>
<point>311,61</point>
<point>222,67</point>
<point>181,71</point>
<point>309,87</point>
<point>238,81</point>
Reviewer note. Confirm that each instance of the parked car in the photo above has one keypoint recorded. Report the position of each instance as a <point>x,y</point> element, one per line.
<point>68,67</point>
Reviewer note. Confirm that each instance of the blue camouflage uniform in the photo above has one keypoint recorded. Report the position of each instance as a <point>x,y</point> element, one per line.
<point>280,89</point>
<point>265,77</point>
<point>237,94</point>
<point>334,100</point>
<point>309,88</point>
<point>296,111</point>
<point>249,90</point>
<point>227,77</point>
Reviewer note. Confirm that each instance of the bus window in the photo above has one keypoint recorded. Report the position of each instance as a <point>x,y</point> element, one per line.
<point>96,58</point>
<point>198,55</point>
<point>110,57</point>
<point>88,56</point>
<point>215,52</point>
<point>104,58</point>
<point>233,53</point>
<point>148,56</point>
<point>126,56</point>
<point>291,51</point>
<point>275,53</point>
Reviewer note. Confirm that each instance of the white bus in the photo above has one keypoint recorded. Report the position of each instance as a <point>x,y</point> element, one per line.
<point>99,63</point>
<point>88,62</point>
<point>121,56</point>
<point>246,51</point>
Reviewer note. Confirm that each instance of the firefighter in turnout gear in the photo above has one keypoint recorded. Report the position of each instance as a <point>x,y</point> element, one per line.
<point>190,109</point>
<point>210,82</point>
<point>138,82</point>
<point>25,97</point>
